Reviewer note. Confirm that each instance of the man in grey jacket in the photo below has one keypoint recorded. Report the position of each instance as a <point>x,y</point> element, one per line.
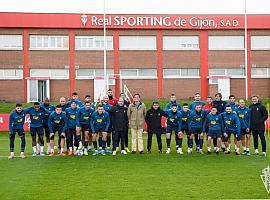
<point>136,115</point>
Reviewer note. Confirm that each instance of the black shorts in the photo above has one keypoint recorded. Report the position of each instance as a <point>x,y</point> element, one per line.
<point>100,130</point>
<point>110,128</point>
<point>47,130</point>
<point>37,130</point>
<point>195,131</point>
<point>186,131</point>
<point>85,127</point>
<point>19,131</point>
<point>59,130</point>
<point>214,134</point>
<point>170,129</point>
<point>244,131</point>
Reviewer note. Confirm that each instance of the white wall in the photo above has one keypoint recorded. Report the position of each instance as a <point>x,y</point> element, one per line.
<point>137,6</point>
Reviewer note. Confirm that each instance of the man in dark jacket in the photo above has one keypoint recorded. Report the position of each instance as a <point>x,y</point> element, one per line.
<point>119,124</point>
<point>153,120</point>
<point>258,115</point>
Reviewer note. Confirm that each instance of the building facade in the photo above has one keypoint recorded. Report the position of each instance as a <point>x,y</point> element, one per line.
<point>154,55</point>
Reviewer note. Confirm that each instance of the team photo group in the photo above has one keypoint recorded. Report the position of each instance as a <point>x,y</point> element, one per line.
<point>102,128</point>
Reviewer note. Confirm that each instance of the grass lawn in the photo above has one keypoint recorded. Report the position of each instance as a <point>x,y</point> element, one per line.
<point>148,176</point>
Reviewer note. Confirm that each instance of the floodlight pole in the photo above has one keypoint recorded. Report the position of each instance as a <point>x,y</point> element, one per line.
<point>246,53</point>
<point>105,47</point>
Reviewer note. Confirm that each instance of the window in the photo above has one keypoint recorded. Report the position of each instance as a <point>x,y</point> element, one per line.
<point>11,74</point>
<point>181,73</point>
<point>50,73</point>
<point>226,43</point>
<point>260,42</point>
<point>49,42</point>
<point>11,42</point>
<point>260,72</point>
<point>233,72</point>
<point>180,43</point>
<point>137,43</point>
<point>138,73</point>
<point>93,42</point>
<point>91,73</point>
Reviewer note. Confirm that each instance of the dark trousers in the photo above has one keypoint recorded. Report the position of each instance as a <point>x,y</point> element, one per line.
<point>149,140</point>
<point>257,133</point>
<point>116,136</point>
<point>126,139</point>
<point>70,134</point>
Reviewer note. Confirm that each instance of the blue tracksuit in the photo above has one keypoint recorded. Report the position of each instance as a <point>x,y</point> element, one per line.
<point>233,105</point>
<point>231,123</point>
<point>244,117</point>
<point>100,121</point>
<point>79,103</point>
<point>84,115</point>
<point>71,117</point>
<point>36,117</point>
<point>107,106</point>
<point>185,119</point>
<point>215,123</point>
<point>16,121</point>
<point>169,106</point>
<point>49,108</point>
<point>57,122</point>
<point>194,103</point>
<point>174,120</point>
<point>196,120</point>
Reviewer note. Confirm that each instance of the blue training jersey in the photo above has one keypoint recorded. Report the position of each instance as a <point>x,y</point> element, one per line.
<point>36,116</point>
<point>57,121</point>
<point>16,120</point>
<point>231,122</point>
<point>100,121</point>
<point>244,117</point>
<point>49,108</point>
<point>196,120</point>
<point>84,115</point>
<point>71,117</point>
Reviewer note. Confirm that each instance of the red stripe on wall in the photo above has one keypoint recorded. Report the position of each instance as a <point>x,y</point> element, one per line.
<point>204,63</point>
<point>160,74</point>
<point>116,61</point>
<point>248,63</point>
<point>71,61</point>
<point>25,61</point>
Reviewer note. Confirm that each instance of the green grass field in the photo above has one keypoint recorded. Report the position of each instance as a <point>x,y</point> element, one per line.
<point>147,176</point>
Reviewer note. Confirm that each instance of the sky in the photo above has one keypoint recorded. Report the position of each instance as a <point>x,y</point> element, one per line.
<point>137,6</point>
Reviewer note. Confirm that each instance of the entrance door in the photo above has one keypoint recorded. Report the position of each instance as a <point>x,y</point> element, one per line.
<point>224,88</point>
<point>38,90</point>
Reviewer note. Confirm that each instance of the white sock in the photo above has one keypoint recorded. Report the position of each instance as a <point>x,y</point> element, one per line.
<point>75,148</point>
<point>236,149</point>
<point>12,153</point>
<point>41,149</point>
<point>229,146</point>
<point>80,143</point>
<point>34,149</point>
<point>217,150</point>
<point>223,145</point>
<point>62,150</point>
<point>38,146</point>
<point>49,146</point>
<point>228,149</point>
<point>209,148</point>
<point>247,149</point>
<point>169,149</point>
